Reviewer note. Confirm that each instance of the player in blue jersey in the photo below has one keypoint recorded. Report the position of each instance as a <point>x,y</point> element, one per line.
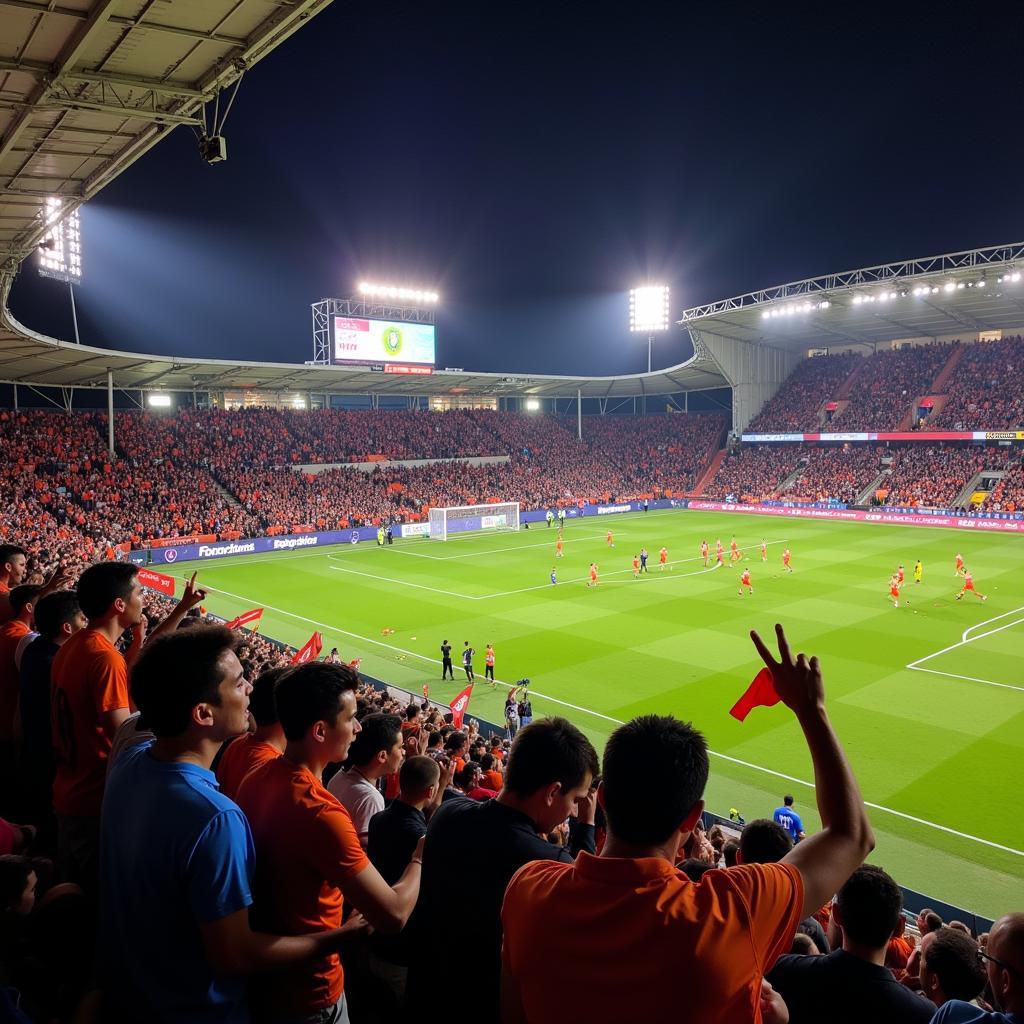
<point>554,577</point>
<point>789,819</point>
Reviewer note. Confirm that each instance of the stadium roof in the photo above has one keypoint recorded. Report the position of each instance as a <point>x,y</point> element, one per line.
<point>938,296</point>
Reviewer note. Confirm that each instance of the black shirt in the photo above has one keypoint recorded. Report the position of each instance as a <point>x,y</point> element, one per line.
<point>446,652</point>
<point>843,989</point>
<point>472,851</point>
<point>34,705</point>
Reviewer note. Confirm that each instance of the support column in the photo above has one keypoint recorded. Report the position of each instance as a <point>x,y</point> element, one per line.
<point>110,412</point>
<point>579,413</point>
<point>686,401</point>
<point>15,397</point>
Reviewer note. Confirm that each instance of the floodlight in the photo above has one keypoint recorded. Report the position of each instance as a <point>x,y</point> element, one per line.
<point>404,292</point>
<point>949,286</point>
<point>60,251</point>
<point>980,284</point>
<point>159,401</point>
<point>1015,276</point>
<point>649,309</point>
<point>532,404</point>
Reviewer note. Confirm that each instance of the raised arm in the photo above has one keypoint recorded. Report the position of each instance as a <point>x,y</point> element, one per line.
<point>827,858</point>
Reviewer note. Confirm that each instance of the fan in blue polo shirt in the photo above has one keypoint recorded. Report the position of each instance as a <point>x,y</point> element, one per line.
<point>789,819</point>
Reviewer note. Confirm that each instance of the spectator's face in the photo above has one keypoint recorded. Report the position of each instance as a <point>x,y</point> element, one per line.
<point>134,605</point>
<point>234,696</point>
<point>564,804</point>
<point>16,569</point>
<point>77,623</point>
<point>345,728</point>
<point>28,897</point>
<point>396,755</point>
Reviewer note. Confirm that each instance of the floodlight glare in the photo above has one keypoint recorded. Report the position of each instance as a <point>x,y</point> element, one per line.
<point>60,252</point>
<point>390,291</point>
<point>949,286</point>
<point>532,405</point>
<point>159,401</point>
<point>649,309</point>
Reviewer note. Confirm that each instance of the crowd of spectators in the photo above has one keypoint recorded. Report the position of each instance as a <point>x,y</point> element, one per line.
<point>798,405</point>
<point>1008,494</point>
<point>836,474</point>
<point>934,477</point>
<point>754,472</point>
<point>986,391</point>
<point>199,829</point>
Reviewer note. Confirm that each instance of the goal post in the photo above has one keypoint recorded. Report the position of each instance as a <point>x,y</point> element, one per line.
<point>460,519</point>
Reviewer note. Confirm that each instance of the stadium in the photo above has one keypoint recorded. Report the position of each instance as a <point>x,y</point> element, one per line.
<point>842,454</point>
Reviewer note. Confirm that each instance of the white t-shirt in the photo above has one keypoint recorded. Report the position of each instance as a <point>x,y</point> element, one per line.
<point>360,797</point>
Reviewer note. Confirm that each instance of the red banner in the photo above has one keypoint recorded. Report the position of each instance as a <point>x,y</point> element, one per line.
<point>459,706</point>
<point>246,618</point>
<point>311,651</point>
<point>157,581</point>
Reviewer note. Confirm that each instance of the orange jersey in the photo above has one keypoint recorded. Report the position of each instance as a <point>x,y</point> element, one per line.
<point>785,557</point>
<point>959,562</point>
<point>11,635</point>
<point>745,578</point>
<point>636,563</point>
<point>241,757</point>
<point>764,549</point>
<point>899,575</point>
<point>968,582</point>
<point>704,549</point>
<point>489,658</point>
<point>593,574</point>
<point>559,545</point>
<point>894,591</point>
<point>732,546</point>
<point>663,556</point>
<point>718,546</point>
<point>608,535</point>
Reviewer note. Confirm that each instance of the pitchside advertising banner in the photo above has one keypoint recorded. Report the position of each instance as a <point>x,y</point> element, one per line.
<point>899,435</point>
<point>358,340</point>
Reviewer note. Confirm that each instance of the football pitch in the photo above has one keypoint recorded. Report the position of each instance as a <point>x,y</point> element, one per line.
<point>928,699</point>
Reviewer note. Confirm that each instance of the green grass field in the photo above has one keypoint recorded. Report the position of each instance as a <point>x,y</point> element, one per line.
<point>937,748</point>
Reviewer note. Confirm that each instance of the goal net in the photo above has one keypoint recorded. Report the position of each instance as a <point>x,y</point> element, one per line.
<point>447,522</point>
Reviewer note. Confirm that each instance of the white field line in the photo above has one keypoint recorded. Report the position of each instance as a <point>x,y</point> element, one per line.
<point>915,666</point>
<point>615,721</point>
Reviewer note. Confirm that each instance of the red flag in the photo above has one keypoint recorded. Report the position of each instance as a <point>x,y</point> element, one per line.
<point>459,706</point>
<point>760,693</point>
<point>245,618</point>
<point>157,581</point>
<point>311,651</point>
<point>426,689</point>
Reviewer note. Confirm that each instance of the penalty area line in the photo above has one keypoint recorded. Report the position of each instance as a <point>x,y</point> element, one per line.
<point>597,714</point>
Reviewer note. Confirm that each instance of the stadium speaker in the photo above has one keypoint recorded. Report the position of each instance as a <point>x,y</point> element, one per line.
<point>213,148</point>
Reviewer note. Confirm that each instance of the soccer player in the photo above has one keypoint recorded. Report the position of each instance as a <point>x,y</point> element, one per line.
<point>554,578</point>
<point>704,552</point>
<point>559,547</point>
<point>969,585</point>
<point>734,552</point>
<point>894,591</point>
<point>718,549</point>
<point>663,558</point>
<point>467,660</point>
<point>593,575</point>
<point>636,567</point>
<point>764,550</point>
<point>608,539</point>
<point>960,570</point>
<point>489,665</point>
<point>745,582</point>
<point>918,571</point>
<point>643,559</point>
<point>900,575</point>
<point>785,561</point>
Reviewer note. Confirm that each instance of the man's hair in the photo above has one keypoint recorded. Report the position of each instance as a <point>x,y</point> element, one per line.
<point>263,699</point>
<point>787,800</point>
<point>486,762</point>
<point>380,732</point>
<point>102,584</point>
<point>870,904</point>
<point>434,739</point>
<point>465,777</point>
<point>312,693</point>
<point>652,747</point>
<point>456,740</point>
<point>549,750</point>
<point>9,551</point>
<point>495,740</point>
<point>729,852</point>
<point>932,921</point>
<point>54,610</point>
<point>953,958</point>
<point>695,869</point>
<point>417,775</point>
<point>412,711</point>
<point>764,842</point>
<point>175,672</point>
<point>23,595</point>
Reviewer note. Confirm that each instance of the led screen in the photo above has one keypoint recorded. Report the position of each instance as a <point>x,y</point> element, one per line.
<point>360,340</point>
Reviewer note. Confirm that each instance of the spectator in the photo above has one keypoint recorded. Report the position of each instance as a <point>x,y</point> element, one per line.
<point>309,860</point>
<point>163,810</point>
<point>788,819</point>
<point>15,634</point>
<point>13,564</point>
<point>377,750</point>
<point>928,921</point>
<point>712,939</point>
<point>804,945</point>
<point>249,751</point>
<point>950,967</point>
<point>1004,967</point>
<point>473,849</point>
<point>852,981</point>
<point>57,617</point>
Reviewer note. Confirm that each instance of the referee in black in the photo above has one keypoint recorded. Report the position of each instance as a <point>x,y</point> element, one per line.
<point>446,660</point>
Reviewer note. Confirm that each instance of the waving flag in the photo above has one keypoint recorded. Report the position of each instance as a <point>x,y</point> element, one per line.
<point>459,706</point>
<point>759,694</point>
<point>246,618</point>
<point>311,651</point>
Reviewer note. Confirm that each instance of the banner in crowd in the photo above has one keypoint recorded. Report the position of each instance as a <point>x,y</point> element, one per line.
<point>851,515</point>
<point>459,706</point>
<point>310,650</point>
<point>157,581</point>
<point>246,618</point>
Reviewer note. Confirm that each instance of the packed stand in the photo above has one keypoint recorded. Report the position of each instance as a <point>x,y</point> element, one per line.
<point>796,407</point>
<point>836,474</point>
<point>934,477</point>
<point>986,391</point>
<point>754,473</point>
<point>888,385</point>
<point>1008,494</point>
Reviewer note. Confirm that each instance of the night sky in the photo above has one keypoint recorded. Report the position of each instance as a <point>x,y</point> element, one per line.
<point>533,161</point>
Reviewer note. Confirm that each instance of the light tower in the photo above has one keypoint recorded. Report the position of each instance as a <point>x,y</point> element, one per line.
<point>648,313</point>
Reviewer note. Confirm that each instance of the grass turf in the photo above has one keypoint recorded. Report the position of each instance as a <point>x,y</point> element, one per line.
<point>936,748</point>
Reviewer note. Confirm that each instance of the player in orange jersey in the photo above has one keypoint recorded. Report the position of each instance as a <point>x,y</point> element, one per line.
<point>735,554</point>
<point>969,585</point>
<point>764,550</point>
<point>636,567</point>
<point>745,582</point>
<point>894,591</point>
<point>960,570</point>
<point>609,540</point>
<point>704,551</point>
<point>900,575</point>
<point>663,558</point>
<point>785,561</point>
<point>593,575</point>
<point>559,548</point>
